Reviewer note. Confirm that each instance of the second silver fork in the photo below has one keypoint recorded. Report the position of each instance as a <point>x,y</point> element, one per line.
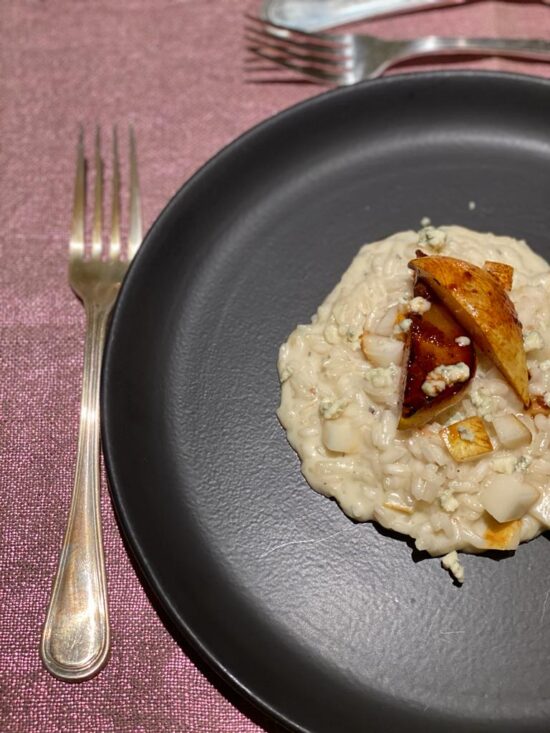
<point>75,639</point>
<point>345,58</point>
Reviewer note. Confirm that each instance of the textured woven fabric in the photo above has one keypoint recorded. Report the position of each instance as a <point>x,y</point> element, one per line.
<point>174,68</point>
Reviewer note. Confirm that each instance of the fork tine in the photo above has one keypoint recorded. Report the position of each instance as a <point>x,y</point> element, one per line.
<point>114,245</point>
<point>98,199</point>
<point>312,72</point>
<point>288,52</point>
<point>135,232</point>
<point>76,243</point>
<point>264,37</point>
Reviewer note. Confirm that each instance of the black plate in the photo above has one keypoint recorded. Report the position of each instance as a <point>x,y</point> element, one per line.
<point>329,625</point>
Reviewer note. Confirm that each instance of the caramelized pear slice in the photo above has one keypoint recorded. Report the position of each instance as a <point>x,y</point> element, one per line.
<point>431,343</point>
<point>481,305</point>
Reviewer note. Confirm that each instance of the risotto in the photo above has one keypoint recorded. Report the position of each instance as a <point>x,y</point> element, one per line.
<point>341,403</point>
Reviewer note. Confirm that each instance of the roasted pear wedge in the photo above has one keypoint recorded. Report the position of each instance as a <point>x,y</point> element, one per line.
<point>432,342</point>
<point>481,305</point>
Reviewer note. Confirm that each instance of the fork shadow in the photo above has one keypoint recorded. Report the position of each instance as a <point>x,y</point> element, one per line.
<point>256,72</point>
<point>279,80</point>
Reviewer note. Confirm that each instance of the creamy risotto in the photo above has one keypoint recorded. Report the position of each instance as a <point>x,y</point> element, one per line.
<point>341,409</point>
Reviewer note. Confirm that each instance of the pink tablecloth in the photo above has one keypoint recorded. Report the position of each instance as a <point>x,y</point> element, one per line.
<point>174,68</point>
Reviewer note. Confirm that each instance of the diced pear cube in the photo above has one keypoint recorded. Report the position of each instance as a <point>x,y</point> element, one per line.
<point>508,497</point>
<point>381,351</point>
<point>502,535</point>
<point>511,432</point>
<point>341,436</point>
<point>467,439</point>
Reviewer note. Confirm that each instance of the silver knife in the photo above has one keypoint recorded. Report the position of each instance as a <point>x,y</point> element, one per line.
<point>316,15</point>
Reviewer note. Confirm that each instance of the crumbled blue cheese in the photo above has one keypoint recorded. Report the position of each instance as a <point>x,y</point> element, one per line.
<point>403,326</point>
<point>432,237</point>
<point>443,376</point>
<point>465,433</point>
<point>425,221</point>
<point>522,463</point>
<point>483,402</point>
<point>504,464</point>
<point>472,205</point>
<point>509,464</point>
<point>381,377</point>
<point>332,409</point>
<point>351,334</point>
<point>532,340</point>
<point>544,366</point>
<point>419,305</point>
<point>451,562</point>
<point>448,501</point>
<point>462,340</point>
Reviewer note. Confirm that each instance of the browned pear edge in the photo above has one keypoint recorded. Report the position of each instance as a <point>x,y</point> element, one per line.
<point>431,410</point>
<point>432,268</point>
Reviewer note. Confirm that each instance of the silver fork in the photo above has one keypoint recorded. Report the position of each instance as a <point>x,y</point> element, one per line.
<point>75,639</point>
<point>346,58</point>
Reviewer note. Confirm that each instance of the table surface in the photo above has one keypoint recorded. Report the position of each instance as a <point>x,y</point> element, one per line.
<point>175,70</point>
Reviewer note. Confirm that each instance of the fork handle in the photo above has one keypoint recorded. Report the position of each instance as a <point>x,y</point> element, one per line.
<point>75,640</point>
<point>515,47</point>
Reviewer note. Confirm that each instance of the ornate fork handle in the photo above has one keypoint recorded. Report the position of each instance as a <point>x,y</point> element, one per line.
<point>522,48</point>
<point>75,640</point>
